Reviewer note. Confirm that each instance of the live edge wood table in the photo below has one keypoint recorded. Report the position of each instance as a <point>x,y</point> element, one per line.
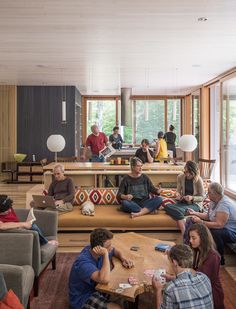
<point>93,174</point>
<point>146,258</point>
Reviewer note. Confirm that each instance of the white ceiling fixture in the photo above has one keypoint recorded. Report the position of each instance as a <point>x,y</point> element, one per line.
<point>92,40</point>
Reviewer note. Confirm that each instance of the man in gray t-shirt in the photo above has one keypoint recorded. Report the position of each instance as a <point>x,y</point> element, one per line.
<point>220,219</point>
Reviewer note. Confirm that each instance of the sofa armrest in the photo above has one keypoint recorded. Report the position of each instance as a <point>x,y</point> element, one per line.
<point>18,278</point>
<point>3,288</point>
<point>46,220</point>
<point>16,248</point>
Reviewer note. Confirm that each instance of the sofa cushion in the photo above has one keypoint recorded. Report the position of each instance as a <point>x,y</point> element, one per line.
<point>110,217</point>
<point>99,196</point>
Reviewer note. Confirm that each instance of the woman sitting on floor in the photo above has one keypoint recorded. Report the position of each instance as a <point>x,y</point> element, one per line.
<point>9,220</point>
<point>207,260</point>
<point>189,195</point>
<point>135,189</point>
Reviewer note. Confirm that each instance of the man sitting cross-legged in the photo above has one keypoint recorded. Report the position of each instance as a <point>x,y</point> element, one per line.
<point>93,266</point>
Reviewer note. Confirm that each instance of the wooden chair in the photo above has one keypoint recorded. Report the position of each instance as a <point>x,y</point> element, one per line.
<point>9,167</point>
<point>206,168</point>
<point>67,159</point>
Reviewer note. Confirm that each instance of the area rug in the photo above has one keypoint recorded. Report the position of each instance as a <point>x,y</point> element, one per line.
<point>53,287</point>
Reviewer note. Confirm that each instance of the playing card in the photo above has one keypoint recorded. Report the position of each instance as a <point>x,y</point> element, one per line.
<point>125,285</point>
<point>132,280</point>
<point>149,272</point>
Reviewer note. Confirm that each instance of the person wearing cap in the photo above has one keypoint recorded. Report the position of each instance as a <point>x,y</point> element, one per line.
<point>9,220</point>
<point>161,147</point>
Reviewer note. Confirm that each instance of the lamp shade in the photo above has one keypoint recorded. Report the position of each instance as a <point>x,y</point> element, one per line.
<point>188,143</point>
<point>56,143</point>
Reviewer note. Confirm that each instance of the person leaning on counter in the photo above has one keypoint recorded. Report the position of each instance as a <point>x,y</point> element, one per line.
<point>144,153</point>
<point>96,141</point>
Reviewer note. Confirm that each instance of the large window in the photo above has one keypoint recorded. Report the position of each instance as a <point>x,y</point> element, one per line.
<point>148,117</point>
<point>102,113</point>
<point>174,116</point>
<point>229,134</point>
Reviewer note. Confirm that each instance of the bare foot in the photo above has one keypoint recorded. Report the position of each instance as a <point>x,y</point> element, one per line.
<point>134,215</point>
<point>53,242</point>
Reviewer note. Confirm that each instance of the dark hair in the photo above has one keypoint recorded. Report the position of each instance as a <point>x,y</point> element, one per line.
<point>206,243</point>
<point>115,128</point>
<point>160,134</point>
<point>99,236</point>
<point>193,169</point>
<point>171,127</point>
<point>134,161</point>
<point>183,255</point>
<point>5,203</point>
<point>145,141</point>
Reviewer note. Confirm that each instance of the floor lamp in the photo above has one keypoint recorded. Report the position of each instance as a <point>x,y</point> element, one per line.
<point>56,143</point>
<point>188,143</point>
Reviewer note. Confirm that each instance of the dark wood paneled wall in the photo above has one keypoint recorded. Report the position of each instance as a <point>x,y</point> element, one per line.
<point>39,114</point>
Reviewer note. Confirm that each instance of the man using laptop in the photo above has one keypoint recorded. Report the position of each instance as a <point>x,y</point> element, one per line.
<point>61,189</point>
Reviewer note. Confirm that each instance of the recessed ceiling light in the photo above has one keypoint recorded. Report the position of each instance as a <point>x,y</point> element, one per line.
<point>196,65</point>
<point>201,19</point>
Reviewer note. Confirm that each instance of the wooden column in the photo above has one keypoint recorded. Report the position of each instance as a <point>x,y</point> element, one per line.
<point>7,123</point>
<point>204,147</point>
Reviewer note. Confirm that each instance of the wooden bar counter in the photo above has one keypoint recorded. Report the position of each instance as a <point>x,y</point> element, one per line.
<point>93,174</point>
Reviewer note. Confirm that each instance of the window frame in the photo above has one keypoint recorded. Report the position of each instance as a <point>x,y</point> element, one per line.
<point>134,99</point>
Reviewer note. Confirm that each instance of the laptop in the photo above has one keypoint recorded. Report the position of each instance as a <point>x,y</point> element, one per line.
<point>44,201</point>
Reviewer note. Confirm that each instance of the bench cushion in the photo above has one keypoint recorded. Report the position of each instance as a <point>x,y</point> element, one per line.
<point>110,217</point>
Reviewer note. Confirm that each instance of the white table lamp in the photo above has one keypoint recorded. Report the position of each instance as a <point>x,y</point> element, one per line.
<point>188,143</point>
<point>56,143</point>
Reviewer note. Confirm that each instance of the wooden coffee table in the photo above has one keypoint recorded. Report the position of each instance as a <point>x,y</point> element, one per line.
<point>146,258</point>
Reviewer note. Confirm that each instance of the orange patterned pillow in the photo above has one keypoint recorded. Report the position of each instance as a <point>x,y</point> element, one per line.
<point>98,196</point>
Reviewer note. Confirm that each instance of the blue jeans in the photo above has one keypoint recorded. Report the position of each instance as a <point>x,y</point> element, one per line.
<point>151,204</point>
<point>42,239</point>
<point>96,158</point>
<point>221,237</point>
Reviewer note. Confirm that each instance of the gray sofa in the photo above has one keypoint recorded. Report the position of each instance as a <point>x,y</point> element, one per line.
<point>41,256</point>
<point>15,264</point>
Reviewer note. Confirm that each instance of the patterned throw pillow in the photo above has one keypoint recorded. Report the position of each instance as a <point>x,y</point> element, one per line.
<point>99,196</point>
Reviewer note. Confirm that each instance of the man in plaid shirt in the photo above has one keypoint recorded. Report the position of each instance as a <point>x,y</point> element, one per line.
<point>187,289</point>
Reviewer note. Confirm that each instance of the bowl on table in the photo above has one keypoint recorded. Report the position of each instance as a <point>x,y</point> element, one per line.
<point>19,157</point>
